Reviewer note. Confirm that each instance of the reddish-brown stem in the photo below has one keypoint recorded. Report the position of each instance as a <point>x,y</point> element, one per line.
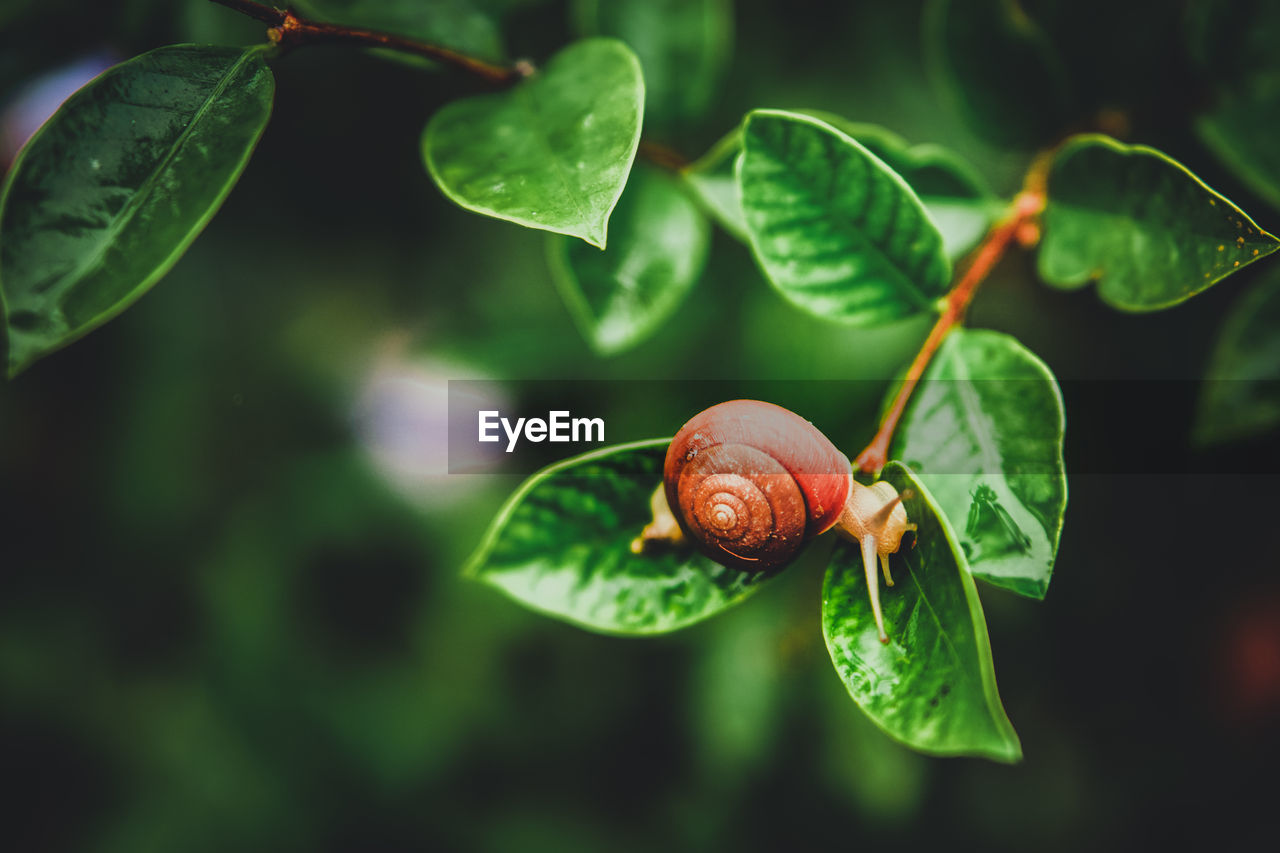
<point>1019,225</point>
<point>289,30</point>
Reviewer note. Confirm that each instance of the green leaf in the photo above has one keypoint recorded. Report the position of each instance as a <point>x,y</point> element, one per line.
<point>1241,396</point>
<point>622,295</point>
<point>456,24</point>
<point>562,546</point>
<point>1139,223</point>
<point>683,47</point>
<point>959,202</point>
<point>932,687</point>
<point>116,185</point>
<point>554,152</point>
<point>984,433</point>
<point>1234,42</point>
<point>713,180</point>
<point>837,232</point>
<point>994,64</point>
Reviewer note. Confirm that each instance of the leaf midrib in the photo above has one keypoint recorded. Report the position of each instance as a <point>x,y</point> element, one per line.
<point>137,199</point>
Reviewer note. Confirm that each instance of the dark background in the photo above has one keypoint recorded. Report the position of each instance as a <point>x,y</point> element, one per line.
<point>230,610</point>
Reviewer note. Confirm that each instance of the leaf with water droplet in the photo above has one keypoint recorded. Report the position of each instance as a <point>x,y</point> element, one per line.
<point>561,545</point>
<point>1140,224</point>
<point>932,687</point>
<point>984,431</point>
<point>105,199</point>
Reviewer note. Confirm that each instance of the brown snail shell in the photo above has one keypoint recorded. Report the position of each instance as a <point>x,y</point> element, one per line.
<point>751,482</point>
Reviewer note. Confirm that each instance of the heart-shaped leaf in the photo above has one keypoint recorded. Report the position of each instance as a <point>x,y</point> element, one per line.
<point>621,295</point>
<point>932,686</point>
<point>984,433</point>
<point>115,186</point>
<point>1139,223</point>
<point>552,153</point>
<point>562,546</point>
<point>838,232</point>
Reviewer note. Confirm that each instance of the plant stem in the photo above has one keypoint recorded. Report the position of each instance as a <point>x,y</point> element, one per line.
<point>289,30</point>
<point>1018,225</point>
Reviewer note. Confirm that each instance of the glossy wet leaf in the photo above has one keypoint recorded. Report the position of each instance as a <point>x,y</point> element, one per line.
<point>1234,42</point>
<point>1241,396</point>
<point>683,47</point>
<point>457,24</point>
<point>997,67</point>
<point>835,230</point>
<point>116,185</point>
<point>562,546</point>
<point>984,432</point>
<point>959,202</point>
<point>932,686</point>
<point>658,248</point>
<point>1148,231</point>
<point>553,152</point>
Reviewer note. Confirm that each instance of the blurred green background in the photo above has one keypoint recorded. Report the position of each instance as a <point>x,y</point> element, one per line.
<point>230,610</point>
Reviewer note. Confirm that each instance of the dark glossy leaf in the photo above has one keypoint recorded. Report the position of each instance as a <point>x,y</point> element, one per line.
<point>554,152</point>
<point>1241,395</point>
<point>984,432</point>
<point>836,231</point>
<point>562,546</point>
<point>932,686</point>
<point>994,64</point>
<point>622,295</point>
<point>683,47</point>
<point>455,24</point>
<point>1234,42</point>
<point>116,185</point>
<point>1139,223</point>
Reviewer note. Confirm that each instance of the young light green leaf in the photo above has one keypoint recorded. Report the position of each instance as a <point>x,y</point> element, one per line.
<point>995,65</point>
<point>621,295</point>
<point>1139,223</point>
<point>837,232</point>
<point>116,185</point>
<point>683,46</point>
<point>984,433</point>
<point>1241,396</point>
<point>959,202</point>
<point>455,24</point>
<point>932,686</point>
<point>552,153</point>
<point>562,546</point>
<point>715,184</point>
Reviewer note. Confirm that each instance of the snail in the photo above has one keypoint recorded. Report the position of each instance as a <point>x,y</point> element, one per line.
<point>750,483</point>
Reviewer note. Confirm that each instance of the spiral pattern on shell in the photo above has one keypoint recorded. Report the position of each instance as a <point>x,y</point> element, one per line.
<point>751,482</point>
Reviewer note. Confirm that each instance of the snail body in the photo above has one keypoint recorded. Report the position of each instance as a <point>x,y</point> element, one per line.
<point>750,483</point>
